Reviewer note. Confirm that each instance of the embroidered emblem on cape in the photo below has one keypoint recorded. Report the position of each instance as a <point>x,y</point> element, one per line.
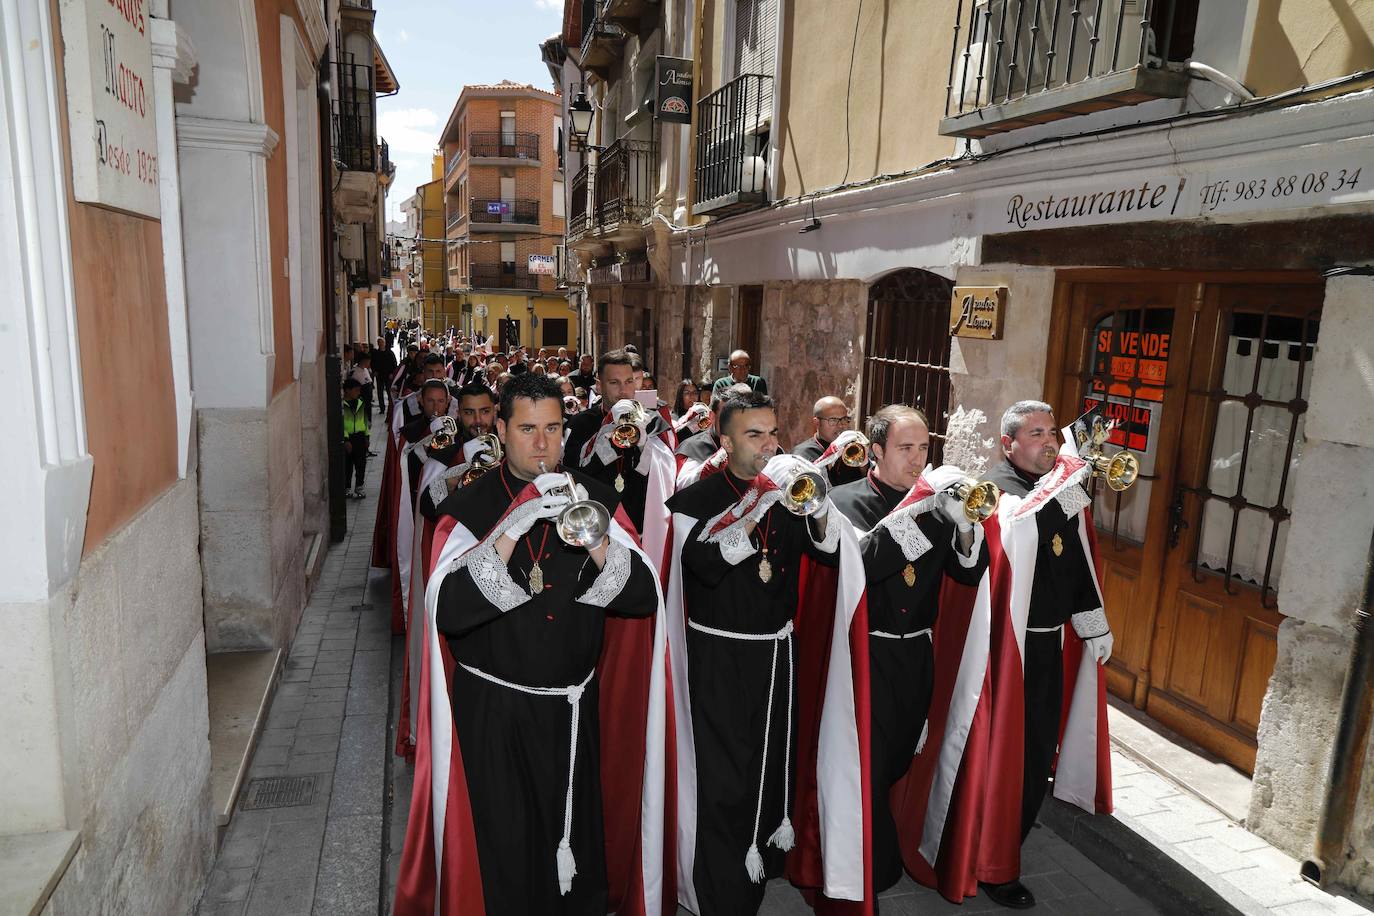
<point>909,575</point>
<point>536,579</point>
<point>765,570</point>
<point>1057,545</point>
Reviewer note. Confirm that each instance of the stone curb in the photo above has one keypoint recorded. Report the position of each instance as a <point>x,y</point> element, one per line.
<point>1134,856</point>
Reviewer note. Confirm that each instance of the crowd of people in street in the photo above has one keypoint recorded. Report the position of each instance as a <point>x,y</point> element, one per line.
<point>654,658</point>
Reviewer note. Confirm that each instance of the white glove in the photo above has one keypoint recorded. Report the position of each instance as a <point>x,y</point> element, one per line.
<point>546,483</point>
<point>519,522</point>
<point>436,425</point>
<point>1099,646</point>
<point>693,416</point>
<point>782,466</point>
<point>844,438</point>
<point>1092,627</point>
<point>472,448</point>
<point>625,406</point>
<point>948,506</point>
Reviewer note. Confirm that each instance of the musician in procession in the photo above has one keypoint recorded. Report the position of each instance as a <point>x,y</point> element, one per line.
<point>913,533</point>
<point>526,609</point>
<point>738,552</point>
<point>832,428</point>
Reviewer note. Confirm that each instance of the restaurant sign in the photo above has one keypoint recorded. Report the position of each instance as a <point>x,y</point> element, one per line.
<point>673,101</point>
<point>978,312</point>
<point>108,66</point>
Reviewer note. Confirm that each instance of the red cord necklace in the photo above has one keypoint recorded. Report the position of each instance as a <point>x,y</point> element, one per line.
<point>536,574</point>
<point>764,529</point>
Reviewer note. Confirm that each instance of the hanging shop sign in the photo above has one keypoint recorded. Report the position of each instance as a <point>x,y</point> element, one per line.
<point>673,101</point>
<point>978,312</point>
<point>108,66</point>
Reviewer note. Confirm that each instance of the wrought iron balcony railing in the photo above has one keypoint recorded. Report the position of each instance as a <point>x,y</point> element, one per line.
<point>626,174</point>
<point>579,217</point>
<point>452,163</point>
<point>523,212</point>
<point>455,216</point>
<point>1014,63</point>
<point>503,145</point>
<point>355,118</point>
<point>732,146</point>
<point>493,276</point>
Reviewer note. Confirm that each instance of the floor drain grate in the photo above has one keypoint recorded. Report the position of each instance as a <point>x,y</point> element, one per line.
<point>279,792</point>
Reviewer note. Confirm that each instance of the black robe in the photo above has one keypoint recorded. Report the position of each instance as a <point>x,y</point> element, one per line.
<point>582,428</point>
<point>728,687</point>
<point>699,446</point>
<point>901,671</point>
<point>447,457</point>
<point>515,745</point>
<point>1063,586</point>
<point>838,472</point>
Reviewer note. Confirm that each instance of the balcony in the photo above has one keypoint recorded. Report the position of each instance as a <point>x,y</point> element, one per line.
<point>503,215</point>
<point>1014,63</point>
<point>603,43</point>
<point>354,121</point>
<point>732,146</point>
<point>451,164</point>
<point>579,217</point>
<point>516,148</point>
<point>455,216</point>
<point>626,178</point>
<point>492,276</point>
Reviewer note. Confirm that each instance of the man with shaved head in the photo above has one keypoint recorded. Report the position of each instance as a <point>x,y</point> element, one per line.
<point>740,364</point>
<point>831,425</point>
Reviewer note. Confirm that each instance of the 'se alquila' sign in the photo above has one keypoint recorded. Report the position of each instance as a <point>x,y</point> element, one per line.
<point>109,73</point>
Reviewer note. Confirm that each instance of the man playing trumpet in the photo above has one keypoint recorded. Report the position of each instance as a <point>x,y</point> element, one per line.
<point>739,537</point>
<point>834,443</point>
<point>914,532</point>
<point>512,756</point>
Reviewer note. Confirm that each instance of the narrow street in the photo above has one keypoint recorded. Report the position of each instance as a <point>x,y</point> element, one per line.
<point>322,814</point>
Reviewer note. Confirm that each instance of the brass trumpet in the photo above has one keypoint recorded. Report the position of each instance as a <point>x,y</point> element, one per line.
<point>704,423</point>
<point>444,437</point>
<point>855,452</point>
<point>584,522</point>
<point>977,498</point>
<point>485,460</point>
<point>1119,471</point>
<point>626,432</point>
<point>804,491</point>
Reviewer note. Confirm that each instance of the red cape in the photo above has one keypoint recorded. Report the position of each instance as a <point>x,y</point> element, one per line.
<point>978,835</point>
<point>440,865</point>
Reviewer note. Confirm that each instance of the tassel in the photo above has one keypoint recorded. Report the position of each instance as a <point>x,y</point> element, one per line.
<point>753,864</point>
<point>784,837</point>
<point>567,866</point>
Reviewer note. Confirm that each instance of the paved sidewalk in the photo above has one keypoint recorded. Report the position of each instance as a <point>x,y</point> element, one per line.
<point>327,732</point>
<point>1172,845</point>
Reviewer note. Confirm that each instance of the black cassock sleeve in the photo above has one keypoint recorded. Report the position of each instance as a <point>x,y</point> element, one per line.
<point>955,562</point>
<point>705,559</point>
<point>463,607</point>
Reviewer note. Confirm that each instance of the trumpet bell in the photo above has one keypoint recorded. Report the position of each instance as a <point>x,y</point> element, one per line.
<point>855,453</point>
<point>583,524</point>
<point>805,493</point>
<point>1119,472</point>
<point>625,436</point>
<point>978,499</point>
<point>444,437</point>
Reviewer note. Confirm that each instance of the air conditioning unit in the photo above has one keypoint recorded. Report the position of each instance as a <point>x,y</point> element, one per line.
<point>1014,38</point>
<point>351,242</point>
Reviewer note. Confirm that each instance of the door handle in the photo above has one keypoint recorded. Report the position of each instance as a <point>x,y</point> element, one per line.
<point>1176,520</point>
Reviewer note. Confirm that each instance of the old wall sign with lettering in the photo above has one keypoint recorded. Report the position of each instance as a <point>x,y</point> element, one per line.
<point>109,74</point>
<point>978,312</point>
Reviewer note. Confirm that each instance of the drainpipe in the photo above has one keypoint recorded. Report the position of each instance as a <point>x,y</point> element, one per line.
<point>1348,752</point>
<point>333,371</point>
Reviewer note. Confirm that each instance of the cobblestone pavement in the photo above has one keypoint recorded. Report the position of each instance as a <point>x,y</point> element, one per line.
<point>330,719</point>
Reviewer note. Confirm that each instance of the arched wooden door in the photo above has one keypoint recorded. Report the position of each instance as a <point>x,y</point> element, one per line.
<point>907,359</point>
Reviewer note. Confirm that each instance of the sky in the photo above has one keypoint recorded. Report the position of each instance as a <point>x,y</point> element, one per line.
<point>435,47</point>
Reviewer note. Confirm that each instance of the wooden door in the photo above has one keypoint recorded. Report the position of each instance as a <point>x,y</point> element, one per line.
<point>1123,348</point>
<point>1216,636</point>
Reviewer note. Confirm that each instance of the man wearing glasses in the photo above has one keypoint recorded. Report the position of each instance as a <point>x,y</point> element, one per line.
<point>740,364</point>
<point>832,426</point>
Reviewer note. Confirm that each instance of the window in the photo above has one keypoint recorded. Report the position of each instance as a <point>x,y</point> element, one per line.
<point>555,332</point>
<point>755,35</point>
<point>559,209</point>
<point>507,257</point>
<point>507,128</point>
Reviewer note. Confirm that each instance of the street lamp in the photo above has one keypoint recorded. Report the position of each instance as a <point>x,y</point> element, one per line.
<point>580,114</point>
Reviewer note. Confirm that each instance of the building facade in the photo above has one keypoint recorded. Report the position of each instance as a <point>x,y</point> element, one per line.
<point>504,207</point>
<point>1169,203</point>
<point>172,316</point>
